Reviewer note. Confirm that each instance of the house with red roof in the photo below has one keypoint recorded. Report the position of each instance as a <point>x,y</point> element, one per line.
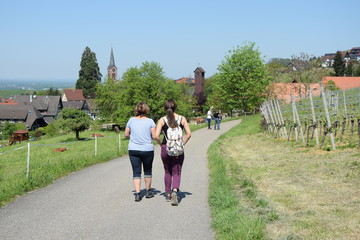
<point>344,83</point>
<point>187,80</point>
<point>283,91</point>
<point>73,95</point>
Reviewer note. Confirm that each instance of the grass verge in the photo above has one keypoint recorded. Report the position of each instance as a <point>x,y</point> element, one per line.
<point>230,221</point>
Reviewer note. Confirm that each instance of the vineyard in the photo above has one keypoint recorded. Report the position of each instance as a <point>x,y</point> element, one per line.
<point>328,121</point>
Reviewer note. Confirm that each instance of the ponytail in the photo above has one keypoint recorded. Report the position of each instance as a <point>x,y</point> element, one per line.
<point>170,107</point>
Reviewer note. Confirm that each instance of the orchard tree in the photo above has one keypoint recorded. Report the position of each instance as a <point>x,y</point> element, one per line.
<point>74,120</point>
<point>242,80</point>
<point>89,74</point>
<point>339,65</point>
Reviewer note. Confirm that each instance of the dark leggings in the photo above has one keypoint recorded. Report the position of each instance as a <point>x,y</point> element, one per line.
<point>172,167</point>
<point>138,158</point>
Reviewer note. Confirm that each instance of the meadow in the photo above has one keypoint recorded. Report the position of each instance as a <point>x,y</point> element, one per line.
<point>266,188</point>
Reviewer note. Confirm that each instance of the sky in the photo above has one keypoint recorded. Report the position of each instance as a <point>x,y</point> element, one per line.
<point>44,40</point>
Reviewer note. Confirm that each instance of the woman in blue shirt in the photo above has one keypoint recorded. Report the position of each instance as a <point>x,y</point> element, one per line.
<point>141,130</point>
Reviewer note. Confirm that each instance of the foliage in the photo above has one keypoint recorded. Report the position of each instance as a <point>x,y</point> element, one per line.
<point>89,74</point>
<point>74,120</point>
<point>10,128</point>
<point>349,70</point>
<point>242,80</point>
<point>356,72</point>
<point>52,129</point>
<point>339,65</point>
<point>331,85</point>
<point>50,92</point>
<point>147,83</point>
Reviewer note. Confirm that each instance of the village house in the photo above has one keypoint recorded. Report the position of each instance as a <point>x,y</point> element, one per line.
<point>48,106</point>
<point>74,98</point>
<point>26,114</point>
<point>283,91</point>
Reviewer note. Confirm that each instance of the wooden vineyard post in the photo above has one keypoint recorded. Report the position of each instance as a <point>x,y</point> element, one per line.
<point>294,117</point>
<point>265,113</point>
<point>278,123</point>
<point>297,119</point>
<point>313,117</point>
<point>281,117</point>
<point>328,119</point>
<point>345,110</point>
<point>271,116</point>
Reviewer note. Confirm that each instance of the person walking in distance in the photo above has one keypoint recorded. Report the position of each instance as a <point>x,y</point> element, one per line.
<point>172,154</point>
<point>216,120</point>
<point>141,130</point>
<point>208,118</point>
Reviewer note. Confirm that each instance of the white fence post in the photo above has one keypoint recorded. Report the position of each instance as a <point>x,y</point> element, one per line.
<point>95,145</point>
<point>119,143</point>
<point>28,162</point>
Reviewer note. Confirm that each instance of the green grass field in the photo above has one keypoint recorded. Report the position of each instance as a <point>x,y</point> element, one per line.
<point>6,93</point>
<point>46,165</point>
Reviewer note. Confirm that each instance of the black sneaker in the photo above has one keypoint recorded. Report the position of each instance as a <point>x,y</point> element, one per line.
<point>168,197</point>
<point>149,194</point>
<point>137,197</point>
<point>174,199</point>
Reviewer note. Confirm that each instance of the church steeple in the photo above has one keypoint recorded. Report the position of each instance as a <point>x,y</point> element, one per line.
<point>112,69</point>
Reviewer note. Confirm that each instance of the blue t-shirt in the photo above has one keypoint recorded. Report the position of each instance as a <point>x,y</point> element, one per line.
<point>140,134</point>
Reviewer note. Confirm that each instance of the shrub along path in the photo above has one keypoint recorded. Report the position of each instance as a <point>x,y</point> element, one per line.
<point>98,202</point>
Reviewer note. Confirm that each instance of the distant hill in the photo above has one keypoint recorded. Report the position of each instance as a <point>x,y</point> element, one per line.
<point>35,84</point>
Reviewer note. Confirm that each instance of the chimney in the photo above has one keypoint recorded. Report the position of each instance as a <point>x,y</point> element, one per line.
<point>30,98</point>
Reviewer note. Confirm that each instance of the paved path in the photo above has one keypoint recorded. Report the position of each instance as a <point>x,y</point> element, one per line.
<point>98,202</point>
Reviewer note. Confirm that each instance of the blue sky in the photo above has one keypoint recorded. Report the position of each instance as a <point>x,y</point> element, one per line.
<point>44,40</point>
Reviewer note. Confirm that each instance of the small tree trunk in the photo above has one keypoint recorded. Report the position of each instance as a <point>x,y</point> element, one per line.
<point>77,135</point>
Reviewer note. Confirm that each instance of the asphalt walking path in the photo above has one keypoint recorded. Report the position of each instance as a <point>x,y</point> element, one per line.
<point>98,202</point>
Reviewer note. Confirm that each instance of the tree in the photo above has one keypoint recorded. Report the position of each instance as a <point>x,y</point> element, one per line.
<point>242,80</point>
<point>74,120</point>
<point>9,128</point>
<point>147,83</point>
<point>356,72</point>
<point>339,65</point>
<point>89,74</point>
<point>349,70</point>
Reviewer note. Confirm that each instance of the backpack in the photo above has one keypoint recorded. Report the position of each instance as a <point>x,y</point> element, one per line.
<point>174,139</point>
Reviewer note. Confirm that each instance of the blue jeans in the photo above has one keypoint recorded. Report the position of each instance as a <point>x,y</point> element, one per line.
<point>209,122</point>
<point>217,124</point>
<point>144,158</point>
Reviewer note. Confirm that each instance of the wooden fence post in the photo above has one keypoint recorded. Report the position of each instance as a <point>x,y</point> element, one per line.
<point>328,120</point>
<point>313,116</point>
<point>281,117</point>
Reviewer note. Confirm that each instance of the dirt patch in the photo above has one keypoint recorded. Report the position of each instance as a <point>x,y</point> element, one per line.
<point>315,193</point>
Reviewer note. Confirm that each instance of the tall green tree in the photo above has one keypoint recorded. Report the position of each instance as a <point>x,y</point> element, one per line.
<point>89,74</point>
<point>339,65</point>
<point>242,80</point>
<point>147,83</point>
<point>74,120</point>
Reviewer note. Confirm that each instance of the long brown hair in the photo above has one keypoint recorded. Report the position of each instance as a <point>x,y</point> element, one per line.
<point>170,108</point>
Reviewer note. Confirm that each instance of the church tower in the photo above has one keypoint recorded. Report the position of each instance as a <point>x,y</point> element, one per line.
<point>200,86</point>
<point>112,69</point>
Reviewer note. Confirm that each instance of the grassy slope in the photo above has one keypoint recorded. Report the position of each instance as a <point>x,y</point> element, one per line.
<point>296,193</point>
